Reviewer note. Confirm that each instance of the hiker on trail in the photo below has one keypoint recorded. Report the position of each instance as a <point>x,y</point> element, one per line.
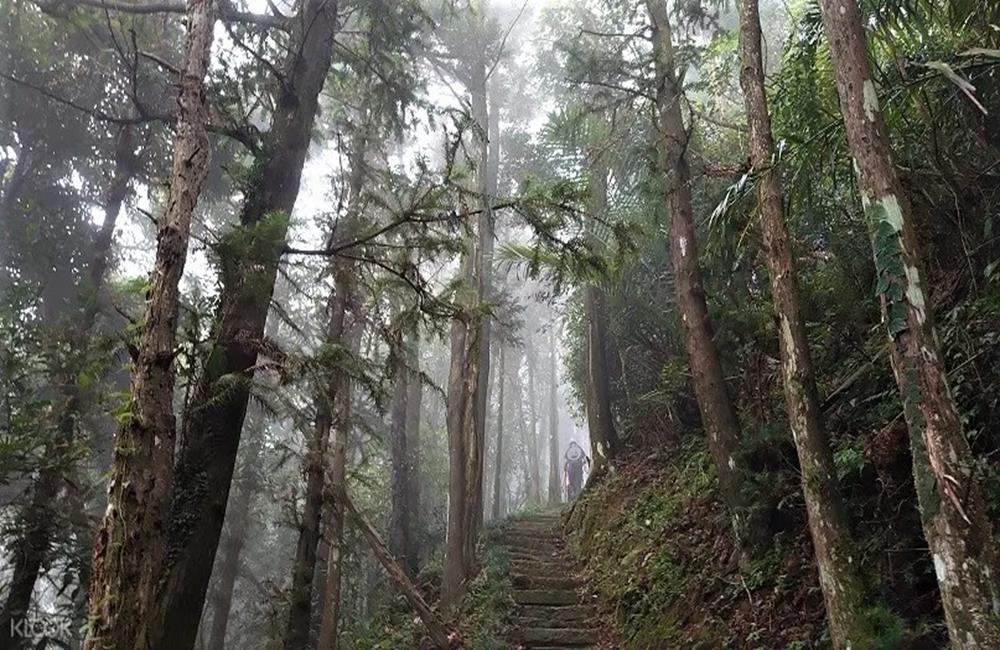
<point>576,458</point>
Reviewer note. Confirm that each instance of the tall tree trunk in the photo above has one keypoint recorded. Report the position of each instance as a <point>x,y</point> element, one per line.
<point>530,484</point>
<point>399,454</point>
<point>555,484</point>
<point>214,419</point>
<point>842,587</point>
<point>129,546</point>
<point>232,546</point>
<point>951,501</point>
<point>32,549</point>
<point>604,441</point>
<point>718,413</point>
<point>304,565</point>
<point>414,397</point>
<point>330,621</point>
<point>487,181</point>
<point>238,525</point>
<point>533,448</point>
<point>462,380</point>
<point>464,460</point>
<point>499,489</point>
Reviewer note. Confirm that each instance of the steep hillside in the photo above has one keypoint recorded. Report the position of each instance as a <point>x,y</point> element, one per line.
<point>657,548</point>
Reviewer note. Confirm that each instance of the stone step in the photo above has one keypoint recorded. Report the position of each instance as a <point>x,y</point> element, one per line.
<point>538,560</point>
<point>539,527</point>
<point>520,573</point>
<point>565,615</point>
<point>531,534</point>
<point>547,569</point>
<point>528,523</point>
<point>539,581</point>
<point>558,636</point>
<point>546,597</point>
<point>554,559</point>
<point>538,553</point>
<point>520,533</point>
<point>537,545</point>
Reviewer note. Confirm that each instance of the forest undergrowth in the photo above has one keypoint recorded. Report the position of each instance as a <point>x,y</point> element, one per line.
<point>654,539</point>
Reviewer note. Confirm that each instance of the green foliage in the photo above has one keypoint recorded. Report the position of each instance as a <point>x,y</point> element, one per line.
<point>887,626</point>
<point>242,247</point>
<point>621,530</point>
<point>485,613</point>
<point>483,617</point>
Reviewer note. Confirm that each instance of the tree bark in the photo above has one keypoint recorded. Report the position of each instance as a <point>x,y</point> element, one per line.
<point>462,381</point>
<point>129,546</point>
<point>951,500</point>
<point>439,632</point>
<point>232,547</point>
<point>530,484</point>
<point>718,413</point>
<point>555,485</point>
<point>499,489</point>
<point>330,620</point>
<point>214,419</point>
<point>414,398</point>
<point>604,441</point>
<point>399,455</point>
<point>533,451</point>
<point>304,565</point>
<point>843,591</point>
<point>487,167</point>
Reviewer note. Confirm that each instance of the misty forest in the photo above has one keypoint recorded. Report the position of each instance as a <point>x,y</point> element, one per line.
<point>486,324</point>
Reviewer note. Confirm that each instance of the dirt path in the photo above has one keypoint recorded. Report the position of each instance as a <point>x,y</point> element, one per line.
<point>551,612</point>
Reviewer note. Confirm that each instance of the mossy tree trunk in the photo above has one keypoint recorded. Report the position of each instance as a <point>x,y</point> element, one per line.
<point>952,507</point>
<point>130,544</point>
<point>214,418</point>
<point>835,554</point>
<point>604,441</point>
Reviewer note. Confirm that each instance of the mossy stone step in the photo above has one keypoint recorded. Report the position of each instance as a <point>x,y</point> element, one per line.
<point>532,562</point>
<point>547,554</point>
<point>546,597</point>
<point>558,636</point>
<point>529,567</point>
<point>533,545</point>
<point>538,581</point>
<point>564,615</point>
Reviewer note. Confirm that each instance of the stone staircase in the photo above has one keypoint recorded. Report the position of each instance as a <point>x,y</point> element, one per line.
<point>552,613</point>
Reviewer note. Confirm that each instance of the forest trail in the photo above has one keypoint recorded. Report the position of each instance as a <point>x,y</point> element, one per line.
<point>552,611</point>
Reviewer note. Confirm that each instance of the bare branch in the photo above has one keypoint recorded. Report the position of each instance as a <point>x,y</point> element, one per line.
<point>229,14</point>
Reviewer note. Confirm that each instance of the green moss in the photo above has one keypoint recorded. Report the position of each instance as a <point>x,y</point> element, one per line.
<point>621,527</point>
<point>888,628</point>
